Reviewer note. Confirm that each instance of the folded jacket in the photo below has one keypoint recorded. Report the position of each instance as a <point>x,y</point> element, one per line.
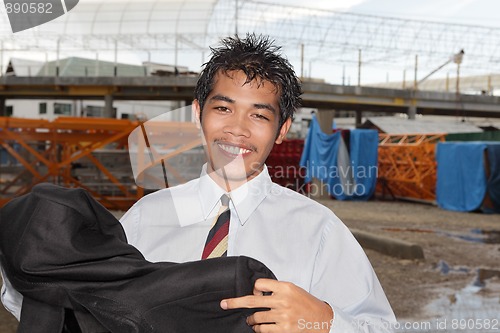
<point>68,256</point>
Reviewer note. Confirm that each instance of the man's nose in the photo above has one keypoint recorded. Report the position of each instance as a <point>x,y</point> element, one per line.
<point>237,125</point>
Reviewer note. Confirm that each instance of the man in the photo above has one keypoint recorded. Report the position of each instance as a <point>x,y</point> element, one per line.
<point>244,102</point>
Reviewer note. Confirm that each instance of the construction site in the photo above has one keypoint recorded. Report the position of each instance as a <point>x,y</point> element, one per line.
<point>93,153</point>
<point>67,118</point>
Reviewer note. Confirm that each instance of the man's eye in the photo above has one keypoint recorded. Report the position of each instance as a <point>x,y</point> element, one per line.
<point>222,108</point>
<point>261,116</point>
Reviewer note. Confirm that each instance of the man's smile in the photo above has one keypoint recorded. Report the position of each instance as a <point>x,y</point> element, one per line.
<point>233,150</point>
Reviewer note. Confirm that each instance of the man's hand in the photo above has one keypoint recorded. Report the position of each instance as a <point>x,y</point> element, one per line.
<point>293,309</point>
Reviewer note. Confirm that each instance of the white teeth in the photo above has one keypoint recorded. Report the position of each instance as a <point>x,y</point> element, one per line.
<point>234,150</point>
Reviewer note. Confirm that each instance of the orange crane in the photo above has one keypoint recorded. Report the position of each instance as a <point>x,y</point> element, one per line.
<point>38,151</point>
<point>407,165</point>
<point>92,153</point>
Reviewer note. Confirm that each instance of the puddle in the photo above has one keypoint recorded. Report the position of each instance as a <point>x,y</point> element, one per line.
<point>489,236</point>
<point>444,268</point>
<point>484,274</point>
<point>472,309</point>
<point>476,235</point>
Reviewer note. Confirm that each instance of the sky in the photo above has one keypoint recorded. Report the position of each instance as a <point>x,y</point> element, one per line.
<point>476,12</point>
<point>467,12</point>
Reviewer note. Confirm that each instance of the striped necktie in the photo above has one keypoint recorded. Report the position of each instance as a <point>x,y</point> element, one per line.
<point>216,244</point>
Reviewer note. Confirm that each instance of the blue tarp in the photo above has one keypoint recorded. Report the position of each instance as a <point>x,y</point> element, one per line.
<point>494,178</point>
<point>364,157</point>
<point>322,160</point>
<point>320,152</point>
<point>461,176</point>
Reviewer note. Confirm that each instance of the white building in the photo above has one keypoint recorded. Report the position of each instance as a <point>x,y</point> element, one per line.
<point>75,66</point>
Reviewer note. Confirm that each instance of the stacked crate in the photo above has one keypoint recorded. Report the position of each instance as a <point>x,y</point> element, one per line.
<point>283,164</point>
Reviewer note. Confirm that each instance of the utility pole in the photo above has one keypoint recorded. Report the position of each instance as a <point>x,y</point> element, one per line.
<point>359,67</point>
<point>302,60</point>
<point>457,59</point>
<point>236,17</point>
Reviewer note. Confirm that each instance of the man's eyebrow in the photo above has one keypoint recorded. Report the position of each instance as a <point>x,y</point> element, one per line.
<point>260,106</point>
<point>265,106</point>
<point>222,98</point>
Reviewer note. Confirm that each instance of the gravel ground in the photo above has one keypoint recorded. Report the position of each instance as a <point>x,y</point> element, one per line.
<point>455,245</point>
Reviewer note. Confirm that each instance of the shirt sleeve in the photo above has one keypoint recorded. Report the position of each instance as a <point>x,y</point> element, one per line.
<point>344,278</point>
<point>12,300</point>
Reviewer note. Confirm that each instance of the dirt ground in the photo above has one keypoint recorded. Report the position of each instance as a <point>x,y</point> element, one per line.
<point>455,245</point>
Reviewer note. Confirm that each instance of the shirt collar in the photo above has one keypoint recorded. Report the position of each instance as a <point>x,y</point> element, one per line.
<point>244,200</point>
<point>209,194</point>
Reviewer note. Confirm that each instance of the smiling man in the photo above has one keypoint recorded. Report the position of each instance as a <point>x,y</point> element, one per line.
<point>244,103</point>
<point>241,123</point>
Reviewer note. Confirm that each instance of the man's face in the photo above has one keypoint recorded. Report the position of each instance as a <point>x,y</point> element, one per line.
<point>240,126</point>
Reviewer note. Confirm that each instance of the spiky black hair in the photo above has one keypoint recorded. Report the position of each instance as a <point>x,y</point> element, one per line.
<point>260,60</point>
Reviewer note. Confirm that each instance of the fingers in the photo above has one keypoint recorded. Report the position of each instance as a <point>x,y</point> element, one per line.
<point>258,300</point>
<point>261,317</point>
<point>261,287</point>
<point>248,302</point>
<point>265,286</point>
<point>262,323</point>
<point>266,328</point>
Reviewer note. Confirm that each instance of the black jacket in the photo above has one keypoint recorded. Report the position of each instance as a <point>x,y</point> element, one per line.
<point>69,258</point>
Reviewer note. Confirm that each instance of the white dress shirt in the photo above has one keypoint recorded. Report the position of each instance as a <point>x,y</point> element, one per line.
<point>300,240</point>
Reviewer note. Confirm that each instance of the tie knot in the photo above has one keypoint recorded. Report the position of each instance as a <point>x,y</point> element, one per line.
<point>224,200</point>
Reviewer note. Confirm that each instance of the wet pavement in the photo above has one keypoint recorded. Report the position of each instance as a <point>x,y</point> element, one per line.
<point>473,309</point>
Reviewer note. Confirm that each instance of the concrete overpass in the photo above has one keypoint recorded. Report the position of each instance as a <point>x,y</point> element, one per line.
<point>319,95</point>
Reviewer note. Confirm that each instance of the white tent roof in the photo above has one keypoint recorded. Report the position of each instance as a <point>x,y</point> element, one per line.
<point>396,125</point>
<point>23,67</point>
<point>320,43</point>
<point>106,17</point>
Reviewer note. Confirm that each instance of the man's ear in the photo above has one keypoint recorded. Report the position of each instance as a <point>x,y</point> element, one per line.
<point>195,107</point>
<point>283,131</point>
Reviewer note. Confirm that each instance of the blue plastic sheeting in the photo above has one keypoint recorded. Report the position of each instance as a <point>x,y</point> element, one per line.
<point>319,156</point>
<point>461,177</point>
<point>325,158</point>
<point>494,178</point>
<point>364,157</point>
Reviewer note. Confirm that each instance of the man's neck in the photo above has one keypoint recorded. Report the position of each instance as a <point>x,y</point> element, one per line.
<point>229,185</point>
